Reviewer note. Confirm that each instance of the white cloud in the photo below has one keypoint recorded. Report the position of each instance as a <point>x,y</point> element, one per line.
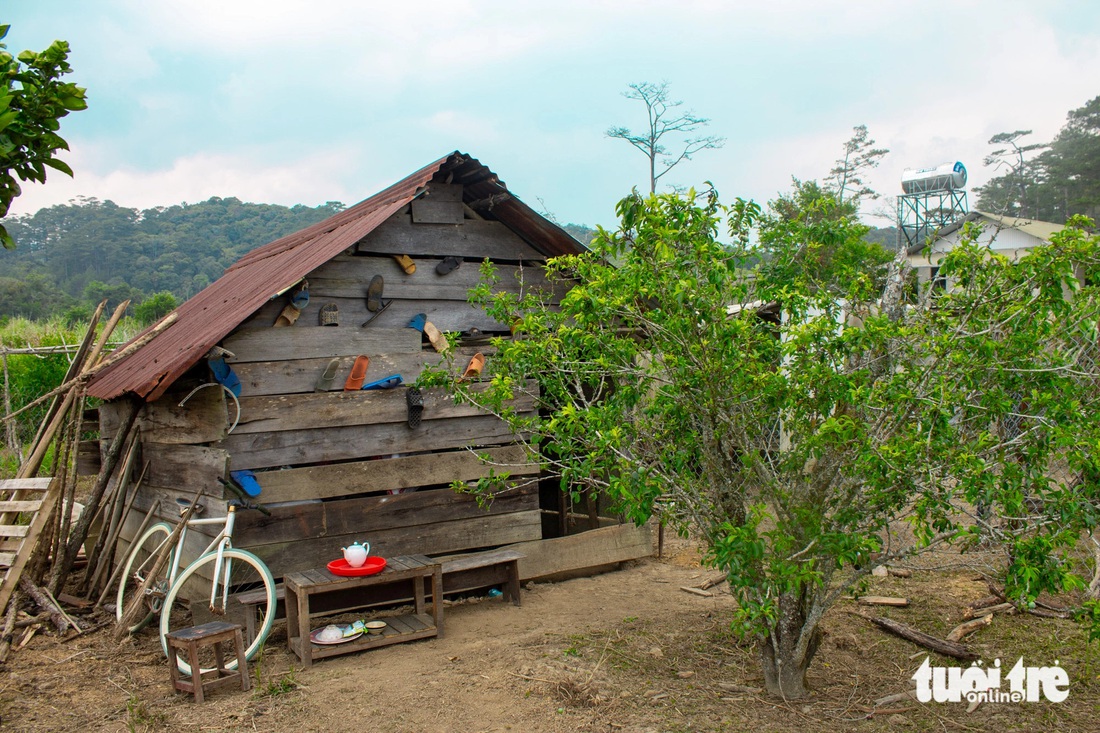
<point>311,180</point>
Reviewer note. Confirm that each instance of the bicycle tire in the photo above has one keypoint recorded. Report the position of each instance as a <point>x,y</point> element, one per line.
<point>246,570</point>
<point>139,560</point>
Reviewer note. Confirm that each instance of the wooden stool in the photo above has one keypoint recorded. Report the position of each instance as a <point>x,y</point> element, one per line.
<point>196,637</point>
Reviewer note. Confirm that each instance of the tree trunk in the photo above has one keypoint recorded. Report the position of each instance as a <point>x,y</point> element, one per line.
<point>784,655</point>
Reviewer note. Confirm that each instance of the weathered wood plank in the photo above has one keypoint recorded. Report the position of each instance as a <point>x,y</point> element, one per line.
<point>88,462</point>
<point>169,508</point>
<point>447,315</point>
<point>389,474</point>
<point>480,239</point>
<point>300,375</point>
<point>347,276</point>
<point>337,409</point>
<point>203,419</point>
<point>25,484</point>
<point>595,548</point>
<point>185,466</point>
<point>297,447</point>
<point>426,211</point>
<point>368,515</point>
<point>439,538</point>
<point>278,344</point>
<point>443,192</point>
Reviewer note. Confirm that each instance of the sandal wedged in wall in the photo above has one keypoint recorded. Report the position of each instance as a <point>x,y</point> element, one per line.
<point>448,265</point>
<point>288,317</point>
<point>358,374</point>
<point>374,294</point>
<point>405,263</point>
<point>299,299</point>
<point>328,377</point>
<point>224,375</point>
<point>415,402</point>
<point>329,315</point>
<point>439,341</point>
<point>473,369</point>
<point>472,336</point>
<point>394,380</point>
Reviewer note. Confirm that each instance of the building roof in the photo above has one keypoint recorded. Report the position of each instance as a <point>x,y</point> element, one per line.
<point>1041,230</point>
<point>267,271</point>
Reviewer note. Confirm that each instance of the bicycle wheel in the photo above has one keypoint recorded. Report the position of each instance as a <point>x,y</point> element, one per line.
<point>139,561</point>
<point>241,572</point>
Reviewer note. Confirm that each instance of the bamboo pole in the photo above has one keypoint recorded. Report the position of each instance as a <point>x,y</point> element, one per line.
<point>113,533</point>
<point>74,367</point>
<point>118,568</point>
<point>107,508</point>
<point>110,461</point>
<point>9,432</point>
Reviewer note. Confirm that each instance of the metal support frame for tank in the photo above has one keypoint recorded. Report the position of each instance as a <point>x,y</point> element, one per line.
<point>921,215</point>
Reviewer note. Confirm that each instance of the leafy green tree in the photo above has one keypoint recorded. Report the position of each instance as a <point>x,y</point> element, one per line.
<point>155,307</point>
<point>32,101</point>
<point>1048,181</point>
<point>664,123</point>
<point>803,421</point>
<point>860,157</point>
<point>813,229</point>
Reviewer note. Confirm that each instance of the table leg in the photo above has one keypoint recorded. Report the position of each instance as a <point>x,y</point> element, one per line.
<point>303,628</point>
<point>418,594</point>
<point>437,599</point>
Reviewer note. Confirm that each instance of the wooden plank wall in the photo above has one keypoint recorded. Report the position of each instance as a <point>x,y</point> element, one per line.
<point>338,467</point>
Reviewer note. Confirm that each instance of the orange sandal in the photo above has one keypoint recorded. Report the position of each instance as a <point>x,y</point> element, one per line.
<point>473,369</point>
<point>358,374</point>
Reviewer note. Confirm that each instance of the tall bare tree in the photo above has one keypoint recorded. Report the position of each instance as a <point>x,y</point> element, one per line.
<point>665,119</point>
<point>860,156</point>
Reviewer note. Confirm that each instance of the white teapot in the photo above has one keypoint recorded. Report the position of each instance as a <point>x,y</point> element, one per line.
<point>357,554</point>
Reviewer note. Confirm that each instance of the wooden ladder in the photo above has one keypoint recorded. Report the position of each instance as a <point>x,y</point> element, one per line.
<point>35,497</point>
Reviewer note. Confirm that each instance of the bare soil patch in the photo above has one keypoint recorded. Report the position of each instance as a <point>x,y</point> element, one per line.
<point>626,651</point>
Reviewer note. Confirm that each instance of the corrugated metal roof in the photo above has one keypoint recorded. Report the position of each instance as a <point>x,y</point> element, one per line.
<point>1041,230</point>
<point>260,275</point>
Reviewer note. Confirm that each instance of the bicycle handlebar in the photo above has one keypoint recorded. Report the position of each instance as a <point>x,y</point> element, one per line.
<point>243,500</point>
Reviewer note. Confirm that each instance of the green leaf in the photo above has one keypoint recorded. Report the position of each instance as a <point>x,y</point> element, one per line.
<point>59,165</point>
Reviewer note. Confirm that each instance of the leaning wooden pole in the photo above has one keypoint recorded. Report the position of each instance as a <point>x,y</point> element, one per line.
<point>80,531</point>
<point>75,367</point>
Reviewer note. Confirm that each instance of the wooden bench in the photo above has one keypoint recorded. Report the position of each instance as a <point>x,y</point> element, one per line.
<point>461,573</point>
<point>481,569</point>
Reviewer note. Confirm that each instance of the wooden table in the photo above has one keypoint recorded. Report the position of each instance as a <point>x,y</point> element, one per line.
<point>414,569</point>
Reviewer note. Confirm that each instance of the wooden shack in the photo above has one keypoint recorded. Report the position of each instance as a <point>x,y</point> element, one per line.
<point>338,466</point>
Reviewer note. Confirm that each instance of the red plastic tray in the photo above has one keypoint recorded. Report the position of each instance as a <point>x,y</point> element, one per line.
<point>374,564</point>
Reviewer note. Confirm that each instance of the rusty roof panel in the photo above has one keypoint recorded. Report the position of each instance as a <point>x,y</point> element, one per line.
<point>263,273</point>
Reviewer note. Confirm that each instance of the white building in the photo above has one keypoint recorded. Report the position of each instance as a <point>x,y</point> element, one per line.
<point>1004,235</point>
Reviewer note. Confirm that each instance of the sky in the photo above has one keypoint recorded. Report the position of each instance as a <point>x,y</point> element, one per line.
<point>290,102</point>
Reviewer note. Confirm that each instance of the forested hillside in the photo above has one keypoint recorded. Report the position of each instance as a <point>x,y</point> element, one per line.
<point>71,256</point>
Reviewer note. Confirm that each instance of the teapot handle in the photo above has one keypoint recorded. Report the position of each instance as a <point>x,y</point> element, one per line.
<point>366,546</point>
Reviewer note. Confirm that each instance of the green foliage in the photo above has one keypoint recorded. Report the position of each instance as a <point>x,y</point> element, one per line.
<point>1047,181</point>
<point>155,307</point>
<point>860,157</point>
<point>32,101</point>
<point>803,414</point>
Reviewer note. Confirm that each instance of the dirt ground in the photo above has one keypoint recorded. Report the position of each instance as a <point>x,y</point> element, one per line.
<point>627,651</point>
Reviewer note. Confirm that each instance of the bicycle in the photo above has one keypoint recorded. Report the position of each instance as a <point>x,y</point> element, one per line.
<point>228,571</point>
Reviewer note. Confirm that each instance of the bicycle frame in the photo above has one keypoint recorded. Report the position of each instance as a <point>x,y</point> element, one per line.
<point>223,541</point>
